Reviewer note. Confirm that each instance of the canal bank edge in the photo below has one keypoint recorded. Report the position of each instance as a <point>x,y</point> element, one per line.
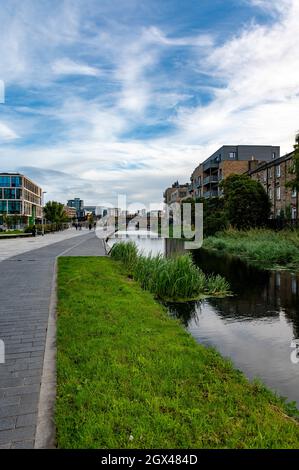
<point>103,322</point>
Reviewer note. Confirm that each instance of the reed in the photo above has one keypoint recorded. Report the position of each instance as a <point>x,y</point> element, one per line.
<point>125,252</point>
<point>176,279</point>
<point>262,247</point>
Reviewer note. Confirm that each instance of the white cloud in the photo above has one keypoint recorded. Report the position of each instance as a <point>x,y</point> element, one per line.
<point>69,67</point>
<point>257,103</point>
<point>272,6</point>
<point>259,100</point>
<point>155,35</point>
<point>6,133</point>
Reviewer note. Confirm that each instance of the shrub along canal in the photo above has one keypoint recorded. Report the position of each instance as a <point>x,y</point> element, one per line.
<point>255,327</point>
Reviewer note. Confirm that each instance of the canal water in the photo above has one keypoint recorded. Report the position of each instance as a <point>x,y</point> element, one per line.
<point>255,327</point>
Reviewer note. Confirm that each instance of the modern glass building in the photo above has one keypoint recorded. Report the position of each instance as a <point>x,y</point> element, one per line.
<point>77,204</point>
<point>19,196</point>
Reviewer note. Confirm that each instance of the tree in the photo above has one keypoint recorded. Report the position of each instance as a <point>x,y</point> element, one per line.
<point>214,215</point>
<point>54,212</point>
<point>246,202</point>
<point>90,218</point>
<point>7,219</point>
<point>294,170</point>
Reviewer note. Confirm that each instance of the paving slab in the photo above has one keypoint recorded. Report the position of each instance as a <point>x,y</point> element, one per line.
<point>26,292</point>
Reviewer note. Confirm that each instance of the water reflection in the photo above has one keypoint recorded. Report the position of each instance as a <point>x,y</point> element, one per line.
<point>185,311</point>
<point>258,293</point>
<point>255,327</point>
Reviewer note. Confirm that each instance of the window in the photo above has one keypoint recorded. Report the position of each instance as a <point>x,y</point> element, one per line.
<point>16,181</point>
<point>5,181</point>
<point>270,193</point>
<point>278,171</point>
<point>273,155</point>
<point>294,213</point>
<point>3,207</point>
<point>9,193</point>
<point>14,207</point>
<point>232,155</point>
<point>278,193</point>
<point>270,172</point>
<point>265,176</point>
<point>294,193</point>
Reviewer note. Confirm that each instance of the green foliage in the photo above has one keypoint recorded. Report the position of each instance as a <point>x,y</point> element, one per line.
<point>7,219</point>
<point>125,252</point>
<point>48,228</point>
<point>12,220</point>
<point>54,212</point>
<point>288,212</point>
<point>176,278</point>
<point>262,247</point>
<point>246,202</point>
<point>294,170</point>
<point>170,278</point>
<point>214,215</point>
<point>129,376</point>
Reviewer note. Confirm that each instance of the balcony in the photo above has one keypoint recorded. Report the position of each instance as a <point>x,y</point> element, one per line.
<point>196,184</point>
<point>211,179</point>
<point>212,193</point>
<point>210,164</point>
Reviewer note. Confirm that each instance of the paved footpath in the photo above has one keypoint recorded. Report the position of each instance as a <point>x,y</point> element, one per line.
<point>26,292</point>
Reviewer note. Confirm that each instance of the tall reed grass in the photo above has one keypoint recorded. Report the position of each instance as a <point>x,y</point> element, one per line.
<point>177,278</point>
<point>263,247</point>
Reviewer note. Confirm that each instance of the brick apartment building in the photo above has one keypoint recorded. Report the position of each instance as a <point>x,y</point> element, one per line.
<point>227,160</point>
<point>176,192</point>
<point>262,163</point>
<point>273,176</point>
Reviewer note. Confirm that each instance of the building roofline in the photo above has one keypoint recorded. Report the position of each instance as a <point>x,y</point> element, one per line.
<point>9,173</point>
<point>228,146</point>
<point>275,161</point>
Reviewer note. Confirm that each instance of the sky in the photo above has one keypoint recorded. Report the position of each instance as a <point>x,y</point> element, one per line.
<point>107,97</point>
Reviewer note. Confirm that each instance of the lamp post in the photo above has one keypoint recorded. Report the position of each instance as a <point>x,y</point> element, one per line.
<point>43,204</point>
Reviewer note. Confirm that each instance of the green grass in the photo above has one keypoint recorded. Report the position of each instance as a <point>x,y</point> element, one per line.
<point>261,247</point>
<point>176,278</point>
<point>11,232</point>
<point>125,368</point>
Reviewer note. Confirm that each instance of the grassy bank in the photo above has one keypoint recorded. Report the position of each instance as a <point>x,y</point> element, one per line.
<point>131,377</point>
<point>176,278</point>
<point>263,248</point>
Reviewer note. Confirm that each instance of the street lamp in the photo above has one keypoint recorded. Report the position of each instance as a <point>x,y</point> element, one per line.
<point>43,205</point>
